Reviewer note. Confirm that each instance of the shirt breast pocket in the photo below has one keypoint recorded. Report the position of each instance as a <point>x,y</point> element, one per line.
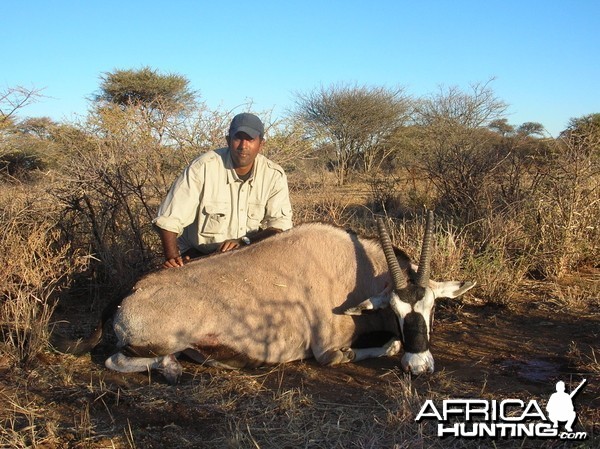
<point>215,218</point>
<point>256,213</point>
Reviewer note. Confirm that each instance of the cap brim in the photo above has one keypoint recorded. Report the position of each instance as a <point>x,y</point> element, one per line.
<point>245,129</point>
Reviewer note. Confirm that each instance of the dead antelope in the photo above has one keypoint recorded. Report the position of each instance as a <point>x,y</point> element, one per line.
<point>297,295</point>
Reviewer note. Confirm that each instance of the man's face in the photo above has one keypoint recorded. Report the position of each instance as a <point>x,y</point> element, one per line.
<point>244,149</point>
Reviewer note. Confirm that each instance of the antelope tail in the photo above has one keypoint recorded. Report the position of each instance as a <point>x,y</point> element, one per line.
<point>82,346</point>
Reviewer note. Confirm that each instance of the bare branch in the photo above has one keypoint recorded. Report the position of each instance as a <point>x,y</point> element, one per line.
<point>13,99</point>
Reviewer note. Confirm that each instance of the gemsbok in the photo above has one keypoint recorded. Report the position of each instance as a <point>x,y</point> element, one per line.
<point>307,292</point>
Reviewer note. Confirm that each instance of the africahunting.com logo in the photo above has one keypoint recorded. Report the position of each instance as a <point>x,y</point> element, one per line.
<point>507,418</point>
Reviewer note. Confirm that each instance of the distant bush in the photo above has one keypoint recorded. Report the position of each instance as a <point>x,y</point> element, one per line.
<point>20,165</point>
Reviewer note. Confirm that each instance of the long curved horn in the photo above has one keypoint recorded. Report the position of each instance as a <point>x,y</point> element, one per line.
<point>398,276</point>
<point>425,259</point>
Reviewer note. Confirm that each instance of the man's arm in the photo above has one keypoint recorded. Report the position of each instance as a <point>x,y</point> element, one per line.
<point>171,250</point>
<point>228,245</point>
<point>178,210</point>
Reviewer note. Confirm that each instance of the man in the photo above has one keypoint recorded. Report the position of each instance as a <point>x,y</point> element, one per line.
<point>225,198</point>
<point>560,406</point>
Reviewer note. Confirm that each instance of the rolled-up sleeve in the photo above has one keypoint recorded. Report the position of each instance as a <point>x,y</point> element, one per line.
<point>180,207</point>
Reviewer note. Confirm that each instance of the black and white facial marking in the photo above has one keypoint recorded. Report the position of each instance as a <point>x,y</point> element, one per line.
<point>414,308</point>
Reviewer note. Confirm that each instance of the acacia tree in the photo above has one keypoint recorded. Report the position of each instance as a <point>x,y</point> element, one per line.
<point>159,100</point>
<point>146,87</point>
<point>357,121</point>
<point>143,130</point>
<point>454,147</point>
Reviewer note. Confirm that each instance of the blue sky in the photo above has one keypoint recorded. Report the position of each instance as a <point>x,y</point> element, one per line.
<point>544,55</point>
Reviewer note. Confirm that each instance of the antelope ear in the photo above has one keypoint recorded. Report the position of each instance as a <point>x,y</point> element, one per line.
<point>450,289</point>
<point>380,301</point>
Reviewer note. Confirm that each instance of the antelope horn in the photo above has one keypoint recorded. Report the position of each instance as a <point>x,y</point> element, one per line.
<point>425,259</point>
<point>398,277</point>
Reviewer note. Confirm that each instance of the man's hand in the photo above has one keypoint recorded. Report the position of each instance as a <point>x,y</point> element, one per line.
<point>228,245</point>
<point>176,262</point>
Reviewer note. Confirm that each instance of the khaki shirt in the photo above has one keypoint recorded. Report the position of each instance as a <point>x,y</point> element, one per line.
<point>208,203</point>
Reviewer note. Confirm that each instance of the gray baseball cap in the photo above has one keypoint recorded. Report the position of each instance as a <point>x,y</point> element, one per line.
<point>247,123</point>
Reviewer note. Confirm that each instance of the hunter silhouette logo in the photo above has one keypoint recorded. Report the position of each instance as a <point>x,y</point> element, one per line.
<point>560,406</point>
<point>505,418</point>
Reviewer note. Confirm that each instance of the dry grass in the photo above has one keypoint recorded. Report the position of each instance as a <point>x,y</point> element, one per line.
<point>289,406</point>
<point>293,417</point>
<point>238,410</point>
<point>36,263</point>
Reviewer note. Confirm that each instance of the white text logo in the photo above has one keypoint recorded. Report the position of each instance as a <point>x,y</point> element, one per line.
<point>508,418</point>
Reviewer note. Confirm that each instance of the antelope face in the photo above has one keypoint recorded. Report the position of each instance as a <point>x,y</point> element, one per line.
<point>413,307</point>
<point>413,302</point>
